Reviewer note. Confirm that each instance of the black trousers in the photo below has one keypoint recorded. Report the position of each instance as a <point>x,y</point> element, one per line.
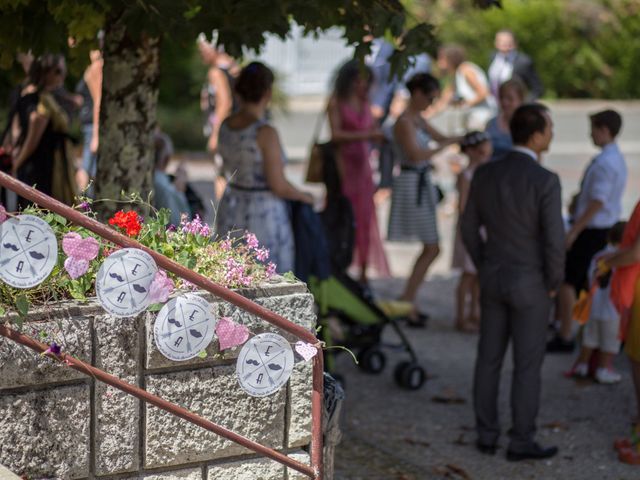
<point>515,307</point>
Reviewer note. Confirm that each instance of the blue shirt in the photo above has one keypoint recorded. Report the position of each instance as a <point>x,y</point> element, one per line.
<point>500,139</point>
<point>604,179</point>
<point>166,196</point>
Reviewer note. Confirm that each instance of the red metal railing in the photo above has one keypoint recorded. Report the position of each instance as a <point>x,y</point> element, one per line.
<point>315,470</point>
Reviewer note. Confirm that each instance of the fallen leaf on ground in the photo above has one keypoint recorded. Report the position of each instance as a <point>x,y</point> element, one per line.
<point>557,426</point>
<point>461,441</point>
<point>416,441</point>
<point>448,396</point>
<point>458,471</point>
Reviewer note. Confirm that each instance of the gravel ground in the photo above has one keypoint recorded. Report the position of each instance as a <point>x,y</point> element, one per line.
<point>389,433</point>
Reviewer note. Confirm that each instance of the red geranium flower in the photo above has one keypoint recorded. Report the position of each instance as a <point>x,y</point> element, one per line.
<point>127,221</point>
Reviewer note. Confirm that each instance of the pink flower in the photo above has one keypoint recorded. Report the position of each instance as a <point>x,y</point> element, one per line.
<point>252,241</point>
<point>225,245</point>
<point>3,214</point>
<point>271,270</point>
<point>160,288</point>
<point>195,226</point>
<point>262,254</point>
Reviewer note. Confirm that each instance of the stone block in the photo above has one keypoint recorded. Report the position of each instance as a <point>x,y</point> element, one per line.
<point>299,404</point>
<point>20,366</point>
<point>302,457</point>
<point>45,434</point>
<point>214,394</point>
<point>258,469</point>
<point>117,413</point>
<point>187,474</point>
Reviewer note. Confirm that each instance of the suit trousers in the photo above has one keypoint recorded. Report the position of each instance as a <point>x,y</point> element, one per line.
<point>516,307</point>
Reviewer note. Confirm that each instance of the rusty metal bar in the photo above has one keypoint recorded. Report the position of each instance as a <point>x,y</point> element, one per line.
<point>110,234</point>
<point>156,401</point>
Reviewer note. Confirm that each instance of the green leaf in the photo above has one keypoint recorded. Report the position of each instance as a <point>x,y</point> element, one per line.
<point>290,277</point>
<point>60,219</point>
<point>22,304</point>
<point>155,307</point>
<point>203,354</point>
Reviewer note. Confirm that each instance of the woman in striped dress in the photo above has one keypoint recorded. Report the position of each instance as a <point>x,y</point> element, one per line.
<point>413,202</point>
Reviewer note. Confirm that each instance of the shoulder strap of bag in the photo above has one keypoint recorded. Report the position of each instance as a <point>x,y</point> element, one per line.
<point>318,125</point>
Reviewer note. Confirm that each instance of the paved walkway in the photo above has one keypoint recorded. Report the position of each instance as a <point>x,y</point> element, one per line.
<point>394,434</point>
<point>391,434</point>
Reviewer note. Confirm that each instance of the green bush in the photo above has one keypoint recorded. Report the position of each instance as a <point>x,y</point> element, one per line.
<point>581,48</point>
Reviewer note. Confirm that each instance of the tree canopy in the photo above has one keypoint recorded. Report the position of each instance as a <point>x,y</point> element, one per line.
<point>46,25</point>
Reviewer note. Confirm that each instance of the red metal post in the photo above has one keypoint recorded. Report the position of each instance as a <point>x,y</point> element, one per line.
<point>110,234</point>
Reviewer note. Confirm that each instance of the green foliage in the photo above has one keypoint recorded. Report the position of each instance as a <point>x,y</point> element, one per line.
<point>581,48</point>
<point>236,262</point>
<point>240,23</point>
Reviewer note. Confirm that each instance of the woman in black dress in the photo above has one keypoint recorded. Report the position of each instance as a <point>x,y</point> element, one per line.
<point>40,152</point>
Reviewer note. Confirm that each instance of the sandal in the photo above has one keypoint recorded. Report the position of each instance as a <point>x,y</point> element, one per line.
<point>417,320</point>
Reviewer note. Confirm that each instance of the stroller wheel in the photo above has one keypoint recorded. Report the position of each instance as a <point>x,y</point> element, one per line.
<point>409,375</point>
<point>371,359</point>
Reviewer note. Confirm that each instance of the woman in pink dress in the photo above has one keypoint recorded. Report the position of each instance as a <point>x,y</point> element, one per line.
<point>353,130</point>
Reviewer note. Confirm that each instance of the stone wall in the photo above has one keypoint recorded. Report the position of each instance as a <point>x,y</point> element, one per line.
<point>57,423</point>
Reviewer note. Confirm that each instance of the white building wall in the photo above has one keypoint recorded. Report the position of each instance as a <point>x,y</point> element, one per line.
<point>306,65</point>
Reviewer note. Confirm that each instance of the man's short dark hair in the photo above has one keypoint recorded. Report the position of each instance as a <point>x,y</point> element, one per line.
<point>610,119</point>
<point>527,120</point>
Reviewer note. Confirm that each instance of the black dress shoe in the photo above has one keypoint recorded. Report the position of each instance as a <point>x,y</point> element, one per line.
<point>559,345</point>
<point>485,448</point>
<point>534,452</point>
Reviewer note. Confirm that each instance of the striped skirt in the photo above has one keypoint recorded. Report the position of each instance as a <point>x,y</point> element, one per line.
<point>413,207</point>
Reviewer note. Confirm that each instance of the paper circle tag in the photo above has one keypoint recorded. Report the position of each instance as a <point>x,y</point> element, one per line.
<point>123,282</point>
<point>264,364</point>
<point>184,327</point>
<point>28,251</point>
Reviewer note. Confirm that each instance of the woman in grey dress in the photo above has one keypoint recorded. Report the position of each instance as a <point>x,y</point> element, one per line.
<point>253,162</point>
<point>413,202</point>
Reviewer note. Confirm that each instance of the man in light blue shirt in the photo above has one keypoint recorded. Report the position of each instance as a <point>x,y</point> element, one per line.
<point>598,207</point>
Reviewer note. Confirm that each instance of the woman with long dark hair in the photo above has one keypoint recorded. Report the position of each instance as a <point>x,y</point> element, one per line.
<point>353,130</point>
<point>40,152</point>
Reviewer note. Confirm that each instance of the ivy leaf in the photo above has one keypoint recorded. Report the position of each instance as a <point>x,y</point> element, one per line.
<point>22,304</point>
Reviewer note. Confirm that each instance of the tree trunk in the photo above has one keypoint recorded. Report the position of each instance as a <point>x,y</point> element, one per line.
<point>127,117</point>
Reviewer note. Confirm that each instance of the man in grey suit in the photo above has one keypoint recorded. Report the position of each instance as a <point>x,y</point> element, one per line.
<point>512,227</point>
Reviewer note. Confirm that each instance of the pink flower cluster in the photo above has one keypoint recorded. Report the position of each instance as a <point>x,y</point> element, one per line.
<point>195,226</point>
<point>252,241</point>
<point>235,273</point>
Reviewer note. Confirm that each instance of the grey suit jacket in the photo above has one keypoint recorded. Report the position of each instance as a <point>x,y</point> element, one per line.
<point>518,202</point>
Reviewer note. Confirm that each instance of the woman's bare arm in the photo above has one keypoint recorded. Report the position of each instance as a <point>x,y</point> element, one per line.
<point>271,149</point>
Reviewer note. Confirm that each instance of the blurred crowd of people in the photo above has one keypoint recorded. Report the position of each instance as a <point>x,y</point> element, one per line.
<point>517,256</point>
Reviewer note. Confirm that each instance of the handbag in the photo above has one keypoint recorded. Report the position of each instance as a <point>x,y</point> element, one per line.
<point>318,154</point>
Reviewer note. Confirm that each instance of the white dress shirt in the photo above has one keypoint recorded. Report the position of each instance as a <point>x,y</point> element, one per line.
<point>604,180</point>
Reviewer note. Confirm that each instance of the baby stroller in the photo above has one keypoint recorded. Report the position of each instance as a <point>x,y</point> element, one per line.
<point>361,319</point>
